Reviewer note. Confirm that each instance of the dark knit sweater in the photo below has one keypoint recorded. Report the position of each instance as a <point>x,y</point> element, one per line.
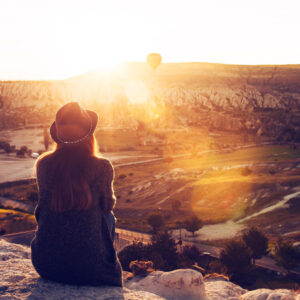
<point>75,247</point>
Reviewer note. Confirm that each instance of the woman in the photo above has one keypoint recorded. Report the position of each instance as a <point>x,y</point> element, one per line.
<point>74,240</point>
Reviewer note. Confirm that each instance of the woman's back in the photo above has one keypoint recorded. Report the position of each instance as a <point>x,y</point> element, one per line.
<point>75,246</point>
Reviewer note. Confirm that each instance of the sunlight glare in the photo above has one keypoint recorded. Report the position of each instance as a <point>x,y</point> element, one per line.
<point>137,92</point>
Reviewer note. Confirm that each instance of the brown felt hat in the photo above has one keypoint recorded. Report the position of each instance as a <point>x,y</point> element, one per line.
<point>73,124</point>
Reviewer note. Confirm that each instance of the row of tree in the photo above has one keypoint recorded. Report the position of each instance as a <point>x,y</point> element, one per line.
<point>158,222</point>
<point>237,259</point>
<point>24,149</point>
<point>239,255</point>
<point>12,149</point>
<point>162,251</point>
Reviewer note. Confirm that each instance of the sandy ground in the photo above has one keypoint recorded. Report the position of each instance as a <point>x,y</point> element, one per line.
<point>14,168</point>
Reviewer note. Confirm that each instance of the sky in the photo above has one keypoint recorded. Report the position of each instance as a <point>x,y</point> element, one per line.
<point>58,39</point>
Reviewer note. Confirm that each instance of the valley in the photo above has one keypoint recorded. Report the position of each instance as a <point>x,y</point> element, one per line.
<point>220,140</point>
<point>229,189</point>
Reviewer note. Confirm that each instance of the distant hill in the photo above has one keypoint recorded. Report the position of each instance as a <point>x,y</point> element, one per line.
<point>264,100</point>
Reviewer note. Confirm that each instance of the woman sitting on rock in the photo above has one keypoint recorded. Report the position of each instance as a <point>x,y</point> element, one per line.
<point>73,243</point>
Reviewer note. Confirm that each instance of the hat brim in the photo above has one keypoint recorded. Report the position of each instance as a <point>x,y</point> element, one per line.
<point>93,116</point>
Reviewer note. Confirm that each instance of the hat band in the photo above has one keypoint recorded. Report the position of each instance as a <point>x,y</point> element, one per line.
<point>79,140</point>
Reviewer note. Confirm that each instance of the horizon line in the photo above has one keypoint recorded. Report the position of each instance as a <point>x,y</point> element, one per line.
<point>163,63</point>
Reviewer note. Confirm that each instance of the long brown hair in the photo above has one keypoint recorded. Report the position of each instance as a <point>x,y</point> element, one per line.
<point>68,162</point>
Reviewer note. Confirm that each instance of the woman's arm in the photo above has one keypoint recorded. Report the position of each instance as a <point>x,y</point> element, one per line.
<point>39,174</point>
<point>109,194</point>
<point>37,213</point>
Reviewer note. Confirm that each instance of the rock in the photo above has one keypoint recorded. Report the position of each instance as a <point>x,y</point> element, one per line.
<point>141,267</point>
<point>50,290</point>
<point>266,294</point>
<point>19,280</point>
<point>180,284</point>
<point>221,289</point>
<point>186,284</point>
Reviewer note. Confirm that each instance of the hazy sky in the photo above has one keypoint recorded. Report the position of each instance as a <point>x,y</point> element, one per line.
<point>59,38</point>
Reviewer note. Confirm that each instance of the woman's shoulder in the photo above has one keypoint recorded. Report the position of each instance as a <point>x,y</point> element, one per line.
<point>102,164</point>
<point>43,161</point>
<point>100,170</point>
<point>101,161</point>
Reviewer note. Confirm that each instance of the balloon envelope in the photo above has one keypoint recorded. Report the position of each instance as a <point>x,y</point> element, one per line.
<point>153,60</point>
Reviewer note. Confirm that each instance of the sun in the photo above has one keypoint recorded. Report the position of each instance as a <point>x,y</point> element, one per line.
<point>89,44</point>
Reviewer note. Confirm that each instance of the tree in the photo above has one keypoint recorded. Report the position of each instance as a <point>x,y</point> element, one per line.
<point>236,257</point>
<point>156,221</point>
<point>46,138</point>
<point>24,149</point>
<point>175,205</point>
<point>193,224</point>
<point>135,251</point>
<point>287,255</point>
<point>7,148</point>
<point>215,266</point>
<point>192,252</point>
<point>164,251</point>
<point>179,225</point>
<point>257,242</point>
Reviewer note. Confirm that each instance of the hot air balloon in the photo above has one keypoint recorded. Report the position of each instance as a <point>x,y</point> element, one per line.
<point>153,60</point>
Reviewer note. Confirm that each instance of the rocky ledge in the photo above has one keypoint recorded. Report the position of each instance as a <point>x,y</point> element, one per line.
<point>20,281</point>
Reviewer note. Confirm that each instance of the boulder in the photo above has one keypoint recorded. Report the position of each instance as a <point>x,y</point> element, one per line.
<point>266,294</point>
<point>187,284</point>
<point>220,288</point>
<point>181,284</point>
<point>19,280</point>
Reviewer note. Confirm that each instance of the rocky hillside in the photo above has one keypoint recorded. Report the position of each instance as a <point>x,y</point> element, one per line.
<point>20,281</point>
<point>263,100</point>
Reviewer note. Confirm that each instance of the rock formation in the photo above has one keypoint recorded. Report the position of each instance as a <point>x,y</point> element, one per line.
<point>20,281</point>
<point>176,285</point>
<point>262,100</point>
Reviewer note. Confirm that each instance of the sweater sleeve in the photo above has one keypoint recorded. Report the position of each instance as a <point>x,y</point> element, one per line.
<point>39,177</point>
<point>108,180</point>
<point>37,213</point>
